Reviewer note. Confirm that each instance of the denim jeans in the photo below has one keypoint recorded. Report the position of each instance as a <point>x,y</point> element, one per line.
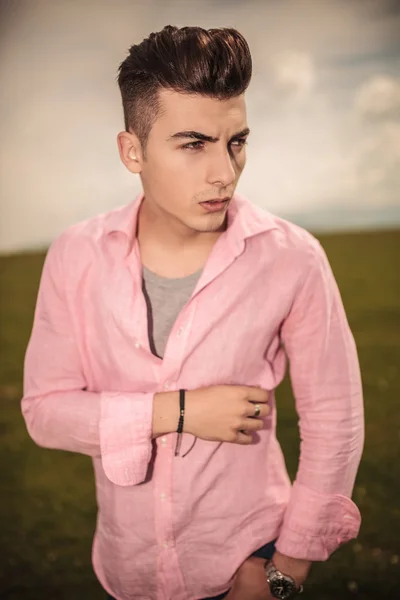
<point>264,552</point>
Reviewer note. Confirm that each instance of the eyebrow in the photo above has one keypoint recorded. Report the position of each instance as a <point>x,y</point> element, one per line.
<point>205,138</point>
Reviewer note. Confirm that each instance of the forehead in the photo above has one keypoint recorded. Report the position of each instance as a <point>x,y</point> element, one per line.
<point>183,111</point>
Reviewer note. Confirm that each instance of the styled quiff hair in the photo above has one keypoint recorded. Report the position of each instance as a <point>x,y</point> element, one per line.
<point>190,60</point>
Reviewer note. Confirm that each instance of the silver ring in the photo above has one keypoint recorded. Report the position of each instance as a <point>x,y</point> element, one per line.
<point>257,410</point>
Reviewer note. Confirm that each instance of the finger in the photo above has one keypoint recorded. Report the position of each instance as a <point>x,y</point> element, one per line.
<point>244,438</point>
<point>252,424</point>
<point>255,394</point>
<point>265,409</point>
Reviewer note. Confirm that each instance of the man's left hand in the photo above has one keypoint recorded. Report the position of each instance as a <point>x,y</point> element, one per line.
<point>251,581</point>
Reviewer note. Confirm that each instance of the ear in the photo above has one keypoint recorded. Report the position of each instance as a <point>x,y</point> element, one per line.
<point>130,151</point>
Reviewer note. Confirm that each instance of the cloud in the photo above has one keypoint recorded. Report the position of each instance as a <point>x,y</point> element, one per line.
<point>291,74</point>
<point>378,165</point>
<point>285,83</point>
<point>379,98</point>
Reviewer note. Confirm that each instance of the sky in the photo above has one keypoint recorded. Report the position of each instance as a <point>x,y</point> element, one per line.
<point>323,107</point>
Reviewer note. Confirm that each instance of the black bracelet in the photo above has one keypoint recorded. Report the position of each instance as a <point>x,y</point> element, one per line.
<point>182,410</point>
<point>181,417</point>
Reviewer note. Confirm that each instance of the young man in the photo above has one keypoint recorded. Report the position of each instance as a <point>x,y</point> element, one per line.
<point>192,288</point>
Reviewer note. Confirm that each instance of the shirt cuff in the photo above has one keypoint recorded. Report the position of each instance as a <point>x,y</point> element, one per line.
<point>316,524</point>
<point>126,423</point>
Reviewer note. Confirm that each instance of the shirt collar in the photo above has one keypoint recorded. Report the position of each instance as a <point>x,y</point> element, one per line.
<point>246,220</point>
<point>124,218</point>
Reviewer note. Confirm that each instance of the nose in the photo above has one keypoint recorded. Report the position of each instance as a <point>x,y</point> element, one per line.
<point>222,168</point>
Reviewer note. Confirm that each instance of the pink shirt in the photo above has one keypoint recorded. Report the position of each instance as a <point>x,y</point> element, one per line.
<point>172,527</point>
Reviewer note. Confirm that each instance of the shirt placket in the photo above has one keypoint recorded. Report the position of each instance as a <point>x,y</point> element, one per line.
<point>170,576</point>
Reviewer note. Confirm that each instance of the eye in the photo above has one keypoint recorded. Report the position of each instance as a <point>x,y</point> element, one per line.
<point>239,143</point>
<point>193,145</point>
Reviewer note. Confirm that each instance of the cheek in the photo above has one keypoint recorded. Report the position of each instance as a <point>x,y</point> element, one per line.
<point>178,166</point>
<point>172,185</point>
<point>241,161</point>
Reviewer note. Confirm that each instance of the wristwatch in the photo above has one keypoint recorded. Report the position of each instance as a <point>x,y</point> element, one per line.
<point>281,586</point>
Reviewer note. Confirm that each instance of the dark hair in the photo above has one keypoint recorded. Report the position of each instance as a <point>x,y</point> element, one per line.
<point>191,60</point>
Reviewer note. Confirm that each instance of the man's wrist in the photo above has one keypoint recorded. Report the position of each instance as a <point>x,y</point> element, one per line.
<point>297,568</point>
<point>165,413</point>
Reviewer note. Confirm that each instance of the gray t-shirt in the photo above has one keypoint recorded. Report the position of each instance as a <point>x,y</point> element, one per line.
<point>165,299</point>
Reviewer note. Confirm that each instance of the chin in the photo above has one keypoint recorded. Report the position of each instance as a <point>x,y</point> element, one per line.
<point>211,226</point>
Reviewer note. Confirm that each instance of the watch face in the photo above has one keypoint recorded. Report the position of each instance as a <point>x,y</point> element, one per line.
<point>282,588</point>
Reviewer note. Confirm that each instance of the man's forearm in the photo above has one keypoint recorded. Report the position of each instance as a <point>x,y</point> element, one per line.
<point>64,420</point>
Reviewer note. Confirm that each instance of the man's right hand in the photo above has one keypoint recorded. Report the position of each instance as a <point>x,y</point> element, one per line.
<point>225,413</point>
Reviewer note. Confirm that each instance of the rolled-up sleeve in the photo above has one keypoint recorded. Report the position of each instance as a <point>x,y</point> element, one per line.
<point>59,413</point>
<point>326,383</point>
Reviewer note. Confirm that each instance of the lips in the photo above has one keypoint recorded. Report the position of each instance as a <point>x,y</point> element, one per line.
<point>215,204</point>
<point>216,200</point>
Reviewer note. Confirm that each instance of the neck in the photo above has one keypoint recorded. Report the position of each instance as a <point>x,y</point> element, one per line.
<point>170,249</point>
<point>168,232</point>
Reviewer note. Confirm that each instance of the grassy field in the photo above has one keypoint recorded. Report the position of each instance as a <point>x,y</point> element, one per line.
<point>47,506</point>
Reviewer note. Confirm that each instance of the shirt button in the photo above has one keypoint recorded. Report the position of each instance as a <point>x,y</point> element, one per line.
<point>137,344</point>
<point>165,544</point>
<point>166,385</point>
<point>180,331</point>
<point>163,440</point>
<point>163,496</point>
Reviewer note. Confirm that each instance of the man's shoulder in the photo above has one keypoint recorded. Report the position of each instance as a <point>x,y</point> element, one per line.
<point>77,242</point>
<point>283,233</point>
<point>296,252</point>
<point>91,228</point>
